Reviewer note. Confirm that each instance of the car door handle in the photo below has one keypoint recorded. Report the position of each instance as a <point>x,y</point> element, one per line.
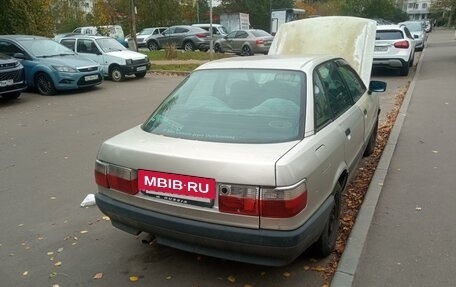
<point>365,112</point>
<point>348,132</point>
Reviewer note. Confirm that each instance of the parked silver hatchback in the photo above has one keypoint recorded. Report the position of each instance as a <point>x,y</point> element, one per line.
<point>247,158</point>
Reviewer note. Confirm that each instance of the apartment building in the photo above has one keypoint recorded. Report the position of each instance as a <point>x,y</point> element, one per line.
<point>417,9</point>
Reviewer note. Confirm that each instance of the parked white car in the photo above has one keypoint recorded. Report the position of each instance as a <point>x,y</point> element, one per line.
<point>394,48</point>
<point>248,158</point>
<point>116,60</point>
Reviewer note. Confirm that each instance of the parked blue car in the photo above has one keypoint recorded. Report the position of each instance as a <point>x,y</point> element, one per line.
<point>49,66</point>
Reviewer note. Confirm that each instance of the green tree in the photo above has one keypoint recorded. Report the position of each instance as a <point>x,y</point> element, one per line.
<point>69,14</point>
<point>26,17</point>
<point>443,11</point>
<point>371,9</point>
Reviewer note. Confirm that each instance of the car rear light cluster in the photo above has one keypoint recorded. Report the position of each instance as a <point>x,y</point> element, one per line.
<point>402,45</point>
<point>265,202</point>
<point>201,35</point>
<point>259,42</point>
<point>116,177</point>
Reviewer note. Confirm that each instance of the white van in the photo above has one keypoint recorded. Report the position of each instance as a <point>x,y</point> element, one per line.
<point>113,31</point>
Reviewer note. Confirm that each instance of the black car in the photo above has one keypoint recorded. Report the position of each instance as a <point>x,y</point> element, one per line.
<point>12,77</point>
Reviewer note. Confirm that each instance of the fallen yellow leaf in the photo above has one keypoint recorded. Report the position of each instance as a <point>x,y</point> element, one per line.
<point>83,231</point>
<point>98,276</point>
<point>25,273</point>
<point>247,285</point>
<point>59,263</point>
<point>168,277</point>
<point>306,267</point>
<point>52,274</point>
<point>106,218</point>
<point>231,278</point>
<point>318,269</point>
<point>286,274</point>
<point>56,285</point>
<point>134,278</point>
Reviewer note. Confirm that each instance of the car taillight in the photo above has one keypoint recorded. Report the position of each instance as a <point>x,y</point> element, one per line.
<point>402,44</point>
<point>283,202</point>
<point>201,35</point>
<point>259,42</point>
<point>238,199</point>
<point>275,203</point>
<point>116,177</point>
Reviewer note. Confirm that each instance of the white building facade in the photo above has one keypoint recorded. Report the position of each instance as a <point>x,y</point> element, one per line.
<point>417,9</point>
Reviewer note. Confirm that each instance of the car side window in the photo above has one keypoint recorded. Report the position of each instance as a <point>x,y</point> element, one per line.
<point>180,30</point>
<point>407,32</point>
<point>322,110</point>
<point>354,83</point>
<point>241,35</point>
<point>339,97</point>
<point>231,35</point>
<point>9,49</point>
<point>69,43</point>
<point>87,46</point>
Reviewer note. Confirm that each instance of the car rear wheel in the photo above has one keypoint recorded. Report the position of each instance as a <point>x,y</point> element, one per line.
<point>11,96</point>
<point>405,69</point>
<point>44,84</point>
<point>372,141</point>
<point>327,241</point>
<point>188,46</point>
<point>152,46</point>
<point>116,74</point>
<point>246,51</point>
<point>218,48</point>
<point>140,75</point>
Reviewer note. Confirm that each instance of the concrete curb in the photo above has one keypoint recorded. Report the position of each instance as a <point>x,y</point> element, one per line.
<point>344,275</point>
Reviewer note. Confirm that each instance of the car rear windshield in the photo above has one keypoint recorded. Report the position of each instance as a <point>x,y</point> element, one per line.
<point>260,33</point>
<point>234,106</point>
<point>389,35</point>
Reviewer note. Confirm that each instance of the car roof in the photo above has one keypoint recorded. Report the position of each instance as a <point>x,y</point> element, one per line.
<point>389,27</point>
<point>278,62</point>
<point>87,36</point>
<point>23,37</point>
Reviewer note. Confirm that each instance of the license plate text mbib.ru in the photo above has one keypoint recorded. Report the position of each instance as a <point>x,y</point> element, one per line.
<point>176,184</point>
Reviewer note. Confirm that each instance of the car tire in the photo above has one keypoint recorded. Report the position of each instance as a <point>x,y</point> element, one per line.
<point>327,241</point>
<point>152,46</point>
<point>246,51</point>
<point>11,96</point>
<point>44,84</point>
<point>116,74</point>
<point>189,46</point>
<point>140,75</point>
<point>372,141</point>
<point>404,71</point>
<point>218,48</point>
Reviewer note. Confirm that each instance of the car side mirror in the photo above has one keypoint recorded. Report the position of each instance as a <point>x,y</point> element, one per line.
<point>19,56</point>
<point>377,86</point>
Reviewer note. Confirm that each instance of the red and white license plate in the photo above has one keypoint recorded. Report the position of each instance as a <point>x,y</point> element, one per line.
<point>176,184</point>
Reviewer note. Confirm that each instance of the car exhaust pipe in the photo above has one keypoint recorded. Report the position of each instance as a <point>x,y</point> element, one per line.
<point>149,239</point>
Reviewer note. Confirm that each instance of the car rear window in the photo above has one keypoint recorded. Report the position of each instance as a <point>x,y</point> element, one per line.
<point>234,106</point>
<point>260,33</point>
<point>389,35</point>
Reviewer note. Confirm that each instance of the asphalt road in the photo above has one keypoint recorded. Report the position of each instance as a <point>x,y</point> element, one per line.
<point>47,150</point>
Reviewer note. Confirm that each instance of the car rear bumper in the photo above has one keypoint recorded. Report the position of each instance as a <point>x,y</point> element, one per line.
<point>257,246</point>
<point>389,63</point>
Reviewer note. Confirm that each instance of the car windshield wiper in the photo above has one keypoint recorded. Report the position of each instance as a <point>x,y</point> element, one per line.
<point>66,54</point>
<point>47,56</point>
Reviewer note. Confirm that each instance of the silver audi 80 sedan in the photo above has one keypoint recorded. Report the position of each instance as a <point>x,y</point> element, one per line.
<point>247,158</point>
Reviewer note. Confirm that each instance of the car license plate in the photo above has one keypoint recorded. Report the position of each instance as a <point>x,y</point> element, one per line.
<point>91,78</point>
<point>6,83</point>
<point>381,48</point>
<point>154,182</point>
<point>142,68</point>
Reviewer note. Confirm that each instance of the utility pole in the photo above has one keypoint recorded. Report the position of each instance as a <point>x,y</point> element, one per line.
<point>133,26</point>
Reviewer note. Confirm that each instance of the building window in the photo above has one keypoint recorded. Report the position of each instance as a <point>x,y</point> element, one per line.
<point>424,5</point>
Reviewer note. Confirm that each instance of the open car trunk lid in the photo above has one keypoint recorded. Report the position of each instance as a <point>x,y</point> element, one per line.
<point>350,38</point>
